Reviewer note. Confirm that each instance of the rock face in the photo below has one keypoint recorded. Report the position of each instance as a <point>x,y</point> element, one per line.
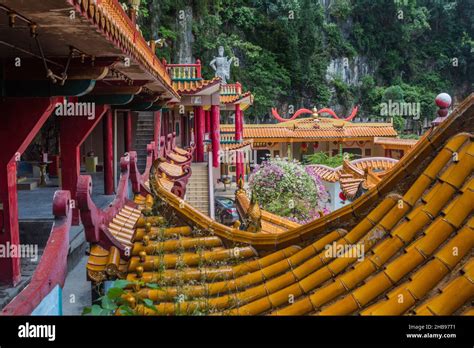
<point>350,71</point>
<point>185,40</point>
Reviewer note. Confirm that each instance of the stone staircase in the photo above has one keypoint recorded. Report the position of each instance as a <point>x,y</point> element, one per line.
<point>197,189</point>
<point>144,135</point>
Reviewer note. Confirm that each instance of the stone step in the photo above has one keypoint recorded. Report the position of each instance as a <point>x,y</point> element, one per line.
<point>197,196</point>
<point>197,178</point>
<point>192,198</point>
<point>199,187</point>
<point>27,185</point>
<point>198,184</point>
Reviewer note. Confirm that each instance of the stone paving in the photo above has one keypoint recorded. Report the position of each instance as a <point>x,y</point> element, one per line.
<point>38,203</point>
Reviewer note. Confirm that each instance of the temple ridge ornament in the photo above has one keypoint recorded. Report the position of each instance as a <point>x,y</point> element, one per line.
<point>443,102</point>
<point>314,114</point>
<point>221,65</point>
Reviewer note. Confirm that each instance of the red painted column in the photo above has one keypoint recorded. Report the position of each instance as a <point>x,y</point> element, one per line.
<point>21,121</point>
<point>73,131</point>
<point>200,125</point>
<point>128,130</point>
<point>108,154</point>
<point>165,123</point>
<point>207,128</point>
<point>238,123</point>
<point>182,132</point>
<point>157,129</point>
<point>239,137</point>
<point>242,162</point>
<point>9,266</point>
<point>215,134</point>
<point>238,167</point>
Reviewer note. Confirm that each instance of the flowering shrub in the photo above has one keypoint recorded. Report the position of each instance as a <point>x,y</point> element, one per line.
<point>285,188</point>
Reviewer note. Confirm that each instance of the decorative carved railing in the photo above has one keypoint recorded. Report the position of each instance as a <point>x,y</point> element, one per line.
<point>52,268</point>
<point>231,89</point>
<point>184,72</point>
<point>137,179</point>
<point>96,220</point>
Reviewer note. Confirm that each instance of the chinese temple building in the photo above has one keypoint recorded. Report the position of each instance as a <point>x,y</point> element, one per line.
<point>84,65</point>
<point>305,136</point>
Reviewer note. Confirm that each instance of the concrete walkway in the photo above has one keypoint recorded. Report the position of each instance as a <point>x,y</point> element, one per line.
<point>77,290</point>
<point>229,191</point>
<point>38,203</point>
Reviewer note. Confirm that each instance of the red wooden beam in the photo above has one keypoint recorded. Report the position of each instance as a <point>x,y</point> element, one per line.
<point>21,121</point>
<point>52,269</point>
<point>74,130</point>
<point>108,154</point>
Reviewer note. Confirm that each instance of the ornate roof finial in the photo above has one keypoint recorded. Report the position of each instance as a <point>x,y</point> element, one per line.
<point>443,101</point>
<point>240,186</point>
<point>254,216</point>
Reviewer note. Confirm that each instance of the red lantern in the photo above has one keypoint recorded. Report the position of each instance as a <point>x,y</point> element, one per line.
<point>315,145</point>
<point>304,147</point>
<point>342,196</point>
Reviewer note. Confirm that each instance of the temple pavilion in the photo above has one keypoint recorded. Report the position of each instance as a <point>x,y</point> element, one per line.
<point>297,138</point>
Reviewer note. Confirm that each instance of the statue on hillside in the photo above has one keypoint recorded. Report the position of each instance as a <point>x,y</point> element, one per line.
<point>221,65</point>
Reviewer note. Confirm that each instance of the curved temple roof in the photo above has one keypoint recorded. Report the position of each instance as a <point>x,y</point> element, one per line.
<point>404,247</point>
<point>309,129</point>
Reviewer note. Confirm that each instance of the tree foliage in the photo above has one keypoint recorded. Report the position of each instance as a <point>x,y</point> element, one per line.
<point>284,47</point>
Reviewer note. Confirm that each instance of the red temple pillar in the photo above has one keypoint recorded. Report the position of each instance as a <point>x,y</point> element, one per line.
<point>207,128</point>
<point>215,134</point>
<point>128,130</point>
<point>237,168</point>
<point>73,131</point>
<point>157,131</point>
<point>239,165</point>
<point>182,132</point>
<point>165,123</point>
<point>108,154</point>
<point>21,121</point>
<point>171,122</point>
<point>238,123</point>
<point>157,125</point>
<point>200,125</point>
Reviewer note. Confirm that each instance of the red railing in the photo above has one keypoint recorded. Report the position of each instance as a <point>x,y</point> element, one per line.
<point>96,220</point>
<point>52,269</point>
<point>137,179</point>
